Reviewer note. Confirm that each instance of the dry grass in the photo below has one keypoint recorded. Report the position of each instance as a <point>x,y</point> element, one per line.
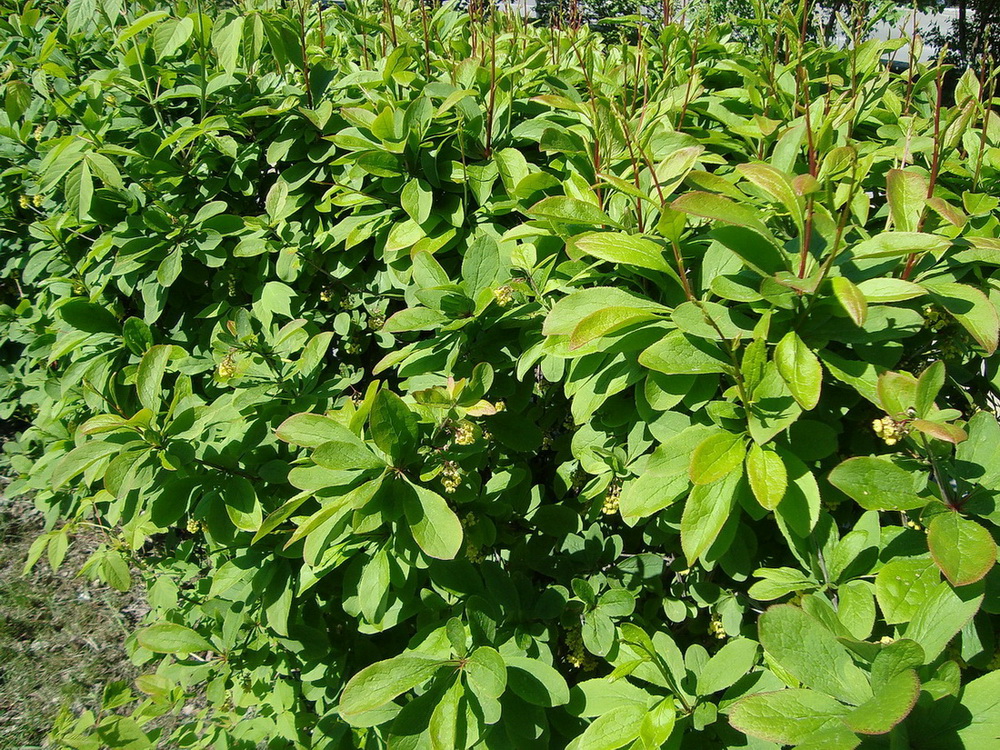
<point>60,635</point>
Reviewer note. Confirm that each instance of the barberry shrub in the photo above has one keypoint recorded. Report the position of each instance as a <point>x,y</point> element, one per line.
<point>449,382</point>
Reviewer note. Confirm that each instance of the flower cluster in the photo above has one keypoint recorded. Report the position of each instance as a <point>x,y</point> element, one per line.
<point>473,552</point>
<point>716,629</point>
<point>610,506</point>
<point>576,654</point>
<point>935,318</point>
<point>464,434</point>
<point>451,476</point>
<point>375,321</point>
<point>994,664</point>
<point>890,430</point>
<point>227,367</point>
<point>503,295</point>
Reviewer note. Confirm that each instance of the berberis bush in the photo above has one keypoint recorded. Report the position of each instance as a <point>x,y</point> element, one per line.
<point>453,382</point>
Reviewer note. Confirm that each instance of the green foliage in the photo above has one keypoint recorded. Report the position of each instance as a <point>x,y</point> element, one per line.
<point>451,382</point>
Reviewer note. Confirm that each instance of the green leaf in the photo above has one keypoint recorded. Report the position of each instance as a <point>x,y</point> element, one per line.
<point>778,186</point>
<point>971,308</point>
<point>341,455</point>
<point>629,249</point>
<point>241,504</point>
<point>276,203</point>
<point>777,582</point>
<point>444,722</point>
<point>480,265</point>
<point>929,384</point>
<point>719,208</point>
<point>800,369</point>
<point>381,682</point>
<point>716,456</point>
<point>415,319</point>
<point>981,699</point>
<point>80,459</point>
<point>434,525</point>
<point>903,585</point>
<point>613,730</point>
<point>906,193</point>
<point>891,244</point>
<point>665,478</point>
<point>89,317</point>
<point>812,654</point>
<point>606,321</point>
<point>563,210</point>
<point>394,428</point>
<point>137,336</point>
<point>658,724</point>
<point>679,354</point>
<point>939,618</point>
<point>894,659</point>
<point>417,200</point>
<point>226,42</point>
<point>768,476</point>
<point>851,299</point>
<point>536,682</point>
<point>876,484</point>
<point>141,24</point>
<point>773,408</point>
<point>170,638</point>
<point>80,14</point>
<point>598,632</point>
<point>313,430</point>
<point>169,37</point>
<point>788,717</point>
<point>279,516</point>
<point>569,312</point>
<point>149,377</point>
<point>486,672</point>
<point>729,664</point>
<point>882,290</point>
<point>963,550</point>
<point>705,513</point>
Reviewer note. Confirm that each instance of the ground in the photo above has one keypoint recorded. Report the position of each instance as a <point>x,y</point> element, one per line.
<point>60,635</point>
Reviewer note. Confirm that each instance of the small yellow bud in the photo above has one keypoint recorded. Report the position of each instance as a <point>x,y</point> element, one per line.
<point>610,506</point>
<point>464,433</point>
<point>227,367</point>
<point>24,201</point>
<point>503,295</point>
<point>716,628</point>
<point>37,199</point>
<point>451,476</point>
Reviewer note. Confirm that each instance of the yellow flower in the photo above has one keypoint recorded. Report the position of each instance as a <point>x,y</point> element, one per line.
<point>610,506</point>
<point>503,295</point>
<point>451,476</point>
<point>464,433</point>
<point>890,430</point>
